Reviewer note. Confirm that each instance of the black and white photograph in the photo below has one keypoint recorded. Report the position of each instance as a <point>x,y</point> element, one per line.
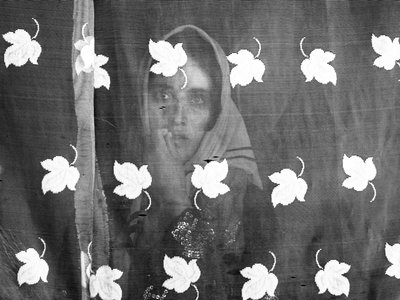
<point>199,149</point>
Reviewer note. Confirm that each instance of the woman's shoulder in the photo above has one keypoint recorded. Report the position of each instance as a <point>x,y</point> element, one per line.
<point>259,199</point>
<point>259,224</point>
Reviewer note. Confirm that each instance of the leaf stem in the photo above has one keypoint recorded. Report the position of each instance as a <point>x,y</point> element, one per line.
<point>76,155</point>
<point>259,47</point>
<point>301,47</point>
<point>316,259</point>
<point>195,199</point>
<point>302,166</point>
<point>373,187</point>
<point>273,266</point>
<point>83,32</point>
<point>197,291</point>
<point>184,74</point>
<point>37,30</point>
<point>88,251</point>
<point>148,196</point>
<point>44,247</point>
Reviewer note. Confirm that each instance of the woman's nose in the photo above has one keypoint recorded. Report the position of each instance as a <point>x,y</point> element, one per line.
<point>179,116</point>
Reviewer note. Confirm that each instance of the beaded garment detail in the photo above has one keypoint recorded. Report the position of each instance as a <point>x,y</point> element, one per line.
<point>194,233</point>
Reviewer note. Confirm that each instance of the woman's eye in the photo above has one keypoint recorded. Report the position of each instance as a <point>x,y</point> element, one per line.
<point>197,100</point>
<point>165,96</point>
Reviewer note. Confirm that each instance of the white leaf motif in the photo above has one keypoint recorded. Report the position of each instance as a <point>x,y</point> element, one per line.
<point>260,282</point>
<point>388,49</point>
<point>133,180</point>
<point>360,172</point>
<point>101,78</point>
<point>169,58</point>
<point>331,278</point>
<point>289,187</point>
<point>34,268</point>
<point>87,61</point>
<point>393,256</point>
<point>87,54</point>
<point>23,48</point>
<point>317,66</point>
<point>61,175</point>
<point>209,179</point>
<point>182,273</point>
<point>247,68</point>
<point>102,283</point>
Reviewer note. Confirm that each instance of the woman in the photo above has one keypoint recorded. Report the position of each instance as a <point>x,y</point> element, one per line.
<point>189,121</point>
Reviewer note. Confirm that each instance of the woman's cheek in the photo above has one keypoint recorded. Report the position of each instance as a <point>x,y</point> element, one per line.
<point>158,117</point>
<point>201,118</point>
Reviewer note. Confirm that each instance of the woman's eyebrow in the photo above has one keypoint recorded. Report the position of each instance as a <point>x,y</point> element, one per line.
<point>199,91</point>
<point>161,86</point>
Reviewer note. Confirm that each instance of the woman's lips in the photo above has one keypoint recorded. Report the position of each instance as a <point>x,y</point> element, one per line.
<point>179,136</point>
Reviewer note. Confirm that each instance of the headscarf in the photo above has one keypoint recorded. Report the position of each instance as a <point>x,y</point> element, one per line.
<point>228,138</point>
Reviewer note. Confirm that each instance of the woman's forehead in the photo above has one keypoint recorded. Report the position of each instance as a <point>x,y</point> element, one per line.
<point>197,77</point>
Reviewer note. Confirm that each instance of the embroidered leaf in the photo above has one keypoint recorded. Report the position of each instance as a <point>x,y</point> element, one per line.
<point>260,282</point>
<point>101,78</point>
<point>102,283</point>
<point>360,172</point>
<point>393,256</point>
<point>100,60</point>
<point>34,268</point>
<point>209,179</point>
<point>289,187</point>
<point>133,180</point>
<point>23,48</point>
<point>87,61</point>
<point>89,270</point>
<point>182,273</point>
<point>317,66</point>
<point>169,58</point>
<point>87,54</point>
<point>61,175</point>
<point>388,49</point>
<point>247,68</point>
<point>331,278</point>
<point>86,58</point>
<point>81,43</point>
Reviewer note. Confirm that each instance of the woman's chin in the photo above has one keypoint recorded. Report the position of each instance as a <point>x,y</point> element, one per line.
<point>182,154</point>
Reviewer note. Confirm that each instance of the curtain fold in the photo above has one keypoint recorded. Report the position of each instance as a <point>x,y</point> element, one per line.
<point>91,217</point>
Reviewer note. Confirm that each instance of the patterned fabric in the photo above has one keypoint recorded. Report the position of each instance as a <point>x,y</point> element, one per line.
<point>193,234</point>
<point>38,122</point>
<point>286,189</point>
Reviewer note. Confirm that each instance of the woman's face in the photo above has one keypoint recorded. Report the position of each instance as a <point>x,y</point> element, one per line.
<point>186,112</point>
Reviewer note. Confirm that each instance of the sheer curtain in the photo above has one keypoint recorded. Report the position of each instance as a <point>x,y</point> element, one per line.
<point>294,122</point>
